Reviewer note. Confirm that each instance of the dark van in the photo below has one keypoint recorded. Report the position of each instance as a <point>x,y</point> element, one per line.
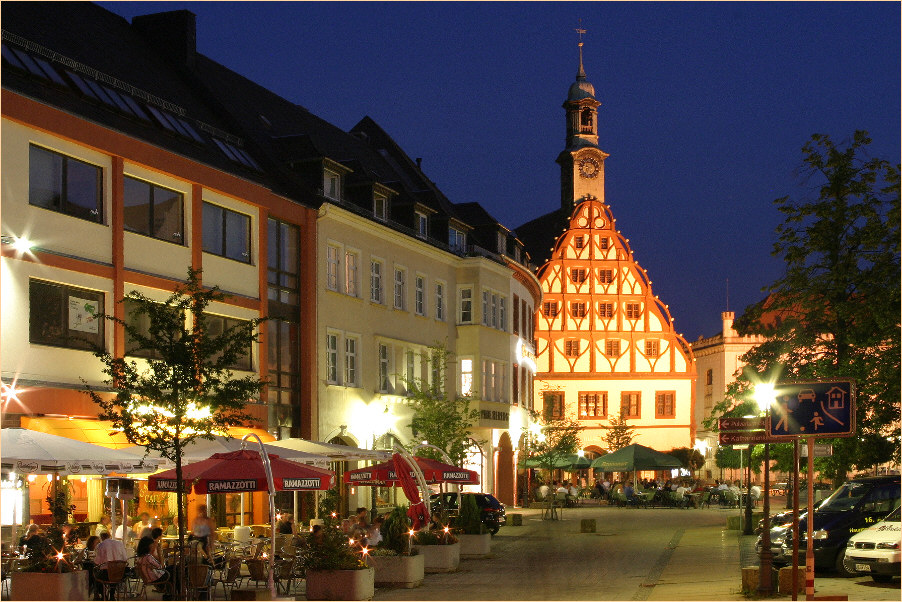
<point>858,504</point>
<point>491,510</point>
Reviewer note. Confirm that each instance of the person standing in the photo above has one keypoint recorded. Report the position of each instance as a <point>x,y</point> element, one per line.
<point>202,531</point>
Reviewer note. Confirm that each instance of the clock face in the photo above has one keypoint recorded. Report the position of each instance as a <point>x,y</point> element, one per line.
<point>588,167</point>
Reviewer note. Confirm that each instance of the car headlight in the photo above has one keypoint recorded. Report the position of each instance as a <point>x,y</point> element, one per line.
<point>850,544</point>
<point>820,534</point>
<point>886,545</point>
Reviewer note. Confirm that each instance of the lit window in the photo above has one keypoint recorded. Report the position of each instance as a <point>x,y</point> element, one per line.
<point>227,233</point>
<point>284,257</point>
<point>63,316</point>
<point>466,377</point>
<point>331,185</point>
<point>64,184</point>
<point>152,210</point>
<point>593,404</point>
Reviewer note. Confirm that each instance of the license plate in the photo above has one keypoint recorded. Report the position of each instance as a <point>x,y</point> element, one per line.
<point>862,567</point>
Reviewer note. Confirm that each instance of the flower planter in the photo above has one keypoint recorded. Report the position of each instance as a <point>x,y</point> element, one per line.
<point>440,559</point>
<point>341,585</point>
<point>398,571</point>
<point>49,586</point>
<point>475,546</point>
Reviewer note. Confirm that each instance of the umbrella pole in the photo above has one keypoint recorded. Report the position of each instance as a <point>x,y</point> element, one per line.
<point>272,510</point>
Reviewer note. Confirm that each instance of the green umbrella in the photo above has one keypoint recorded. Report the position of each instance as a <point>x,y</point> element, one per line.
<point>568,462</point>
<point>635,457</point>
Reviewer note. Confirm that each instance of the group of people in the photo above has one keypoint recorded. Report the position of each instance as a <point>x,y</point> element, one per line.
<point>568,489</point>
<point>361,531</point>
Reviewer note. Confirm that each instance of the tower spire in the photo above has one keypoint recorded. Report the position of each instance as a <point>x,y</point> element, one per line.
<point>581,74</point>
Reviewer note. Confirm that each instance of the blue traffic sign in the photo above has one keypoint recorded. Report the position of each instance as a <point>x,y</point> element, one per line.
<point>813,409</point>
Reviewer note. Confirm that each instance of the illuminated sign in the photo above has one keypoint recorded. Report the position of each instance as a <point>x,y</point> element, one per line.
<point>300,483</point>
<point>237,485</point>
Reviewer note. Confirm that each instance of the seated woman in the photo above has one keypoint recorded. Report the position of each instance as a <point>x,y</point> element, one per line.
<point>147,561</point>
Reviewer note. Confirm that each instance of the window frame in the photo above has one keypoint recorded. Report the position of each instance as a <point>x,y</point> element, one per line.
<point>556,410</point>
<point>329,177</point>
<point>465,305</point>
<point>578,309</point>
<point>377,281</point>
<point>613,348</point>
<point>652,347</point>
<point>246,362</point>
<point>352,273</point>
<point>598,397</point>
<point>333,267</point>
<point>279,274</point>
<point>223,250</point>
<point>399,288</point>
<point>550,309</point>
<point>627,397</point>
<point>440,306</point>
<point>332,366</point>
<point>662,400</point>
<point>608,306</point>
<point>578,275</point>
<point>419,296</point>
<point>380,207</point>
<point>422,224</point>
<point>351,361</point>
<point>572,347</point>
<point>60,203</point>
<point>63,320</point>
<point>383,354</point>
<point>151,213</point>
<point>632,310</point>
<point>606,276</point>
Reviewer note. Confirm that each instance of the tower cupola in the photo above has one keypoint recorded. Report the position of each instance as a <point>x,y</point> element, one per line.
<point>582,108</point>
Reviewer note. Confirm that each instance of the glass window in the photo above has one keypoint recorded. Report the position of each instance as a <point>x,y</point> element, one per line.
<point>633,310</point>
<point>332,261</point>
<point>612,347</point>
<point>63,316</point>
<point>593,404</point>
<point>571,347</point>
<point>64,184</point>
<point>502,314</point>
<point>578,309</point>
<point>466,377</point>
<point>578,242</point>
<point>549,309</point>
<point>605,310</point>
<point>400,289</point>
<point>603,242</point>
<point>351,263</point>
<point>485,308</point>
<point>153,210</point>
<point>331,185</point>
<point>578,275</point>
<point>709,377</point>
<point>630,404</point>
<point>664,404</point>
<point>284,257</point>
<point>384,379</point>
<point>380,207</point>
<point>142,323</point>
<point>284,371</point>
<point>553,405</point>
<point>332,358</point>
<point>218,325</point>
<point>227,233</point>
<point>351,361</point>
<point>420,296</point>
<point>516,320</point>
<point>494,321</point>
<point>466,305</point>
<point>457,240</point>
<point>377,288</point>
<point>422,225</point>
<point>605,276</point>
<point>652,348</point>
<point>439,301</point>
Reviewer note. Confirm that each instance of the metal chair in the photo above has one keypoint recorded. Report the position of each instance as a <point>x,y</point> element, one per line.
<point>109,576</point>
<point>256,568</point>
<point>199,581</point>
<point>165,581</point>
<point>229,577</point>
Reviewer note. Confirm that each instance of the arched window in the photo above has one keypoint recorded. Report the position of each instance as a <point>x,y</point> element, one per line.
<point>585,118</point>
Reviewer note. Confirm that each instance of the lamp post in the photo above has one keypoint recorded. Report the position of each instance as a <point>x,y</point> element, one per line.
<point>764,395</point>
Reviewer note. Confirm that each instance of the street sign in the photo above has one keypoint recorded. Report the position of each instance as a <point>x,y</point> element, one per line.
<point>821,450</point>
<point>743,446</point>
<point>741,424</point>
<point>813,409</point>
<point>748,437</point>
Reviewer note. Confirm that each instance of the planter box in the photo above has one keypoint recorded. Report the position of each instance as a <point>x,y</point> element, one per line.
<point>475,546</point>
<point>340,585</point>
<point>49,586</point>
<point>440,559</point>
<point>398,571</point>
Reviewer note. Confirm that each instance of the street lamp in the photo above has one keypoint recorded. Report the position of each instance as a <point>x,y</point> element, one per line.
<point>764,395</point>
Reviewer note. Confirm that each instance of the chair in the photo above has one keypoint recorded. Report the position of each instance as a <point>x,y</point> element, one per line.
<point>618,498</point>
<point>285,574</point>
<point>229,577</point>
<point>165,582</point>
<point>199,581</point>
<point>705,500</point>
<point>560,500</point>
<point>109,576</point>
<point>730,499</point>
<point>256,568</point>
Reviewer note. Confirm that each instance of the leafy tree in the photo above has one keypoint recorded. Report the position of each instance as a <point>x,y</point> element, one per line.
<point>619,434</point>
<point>443,420</point>
<point>187,389</point>
<point>835,311</point>
<point>689,456</point>
<point>556,439</point>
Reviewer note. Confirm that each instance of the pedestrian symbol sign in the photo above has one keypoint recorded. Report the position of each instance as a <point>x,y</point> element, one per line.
<point>813,409</point>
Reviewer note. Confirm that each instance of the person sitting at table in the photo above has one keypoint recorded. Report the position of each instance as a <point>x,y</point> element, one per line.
<point>317,536</point>
<point>103,525</point>
<point>374,534</point>
<point>33,537</point>
<point>108,549</point>
<point>147,558</point>
<point>630,493</point>
<point>286,526</point>
<point>572,494</point>
<point>88,563</point>
<point>562,488</point>
<point>144,522</point>
<point>543,491</point>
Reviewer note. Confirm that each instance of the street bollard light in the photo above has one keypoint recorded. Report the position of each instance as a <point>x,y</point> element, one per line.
<point>764,395</point>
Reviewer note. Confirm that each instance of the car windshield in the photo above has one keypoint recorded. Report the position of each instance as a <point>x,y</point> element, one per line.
<point>845,497</point>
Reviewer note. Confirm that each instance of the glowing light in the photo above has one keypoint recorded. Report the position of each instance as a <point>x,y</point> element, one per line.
<point>446,529</point>
<point>50,477</point>
<point>59,556</point>
<point>411,532</point>
<point>334,514</point>
<point>351,541</point>
<point>22,244</point>
<point>84,479</point>
<point>31,478</point>
<point>365,551</point>
<point>764,395</point>
<point>9,393</point>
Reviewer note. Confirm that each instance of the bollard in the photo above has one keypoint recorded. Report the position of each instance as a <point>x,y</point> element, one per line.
<point>516,520</point>
<point>785,581</point>
<point>587,525</point>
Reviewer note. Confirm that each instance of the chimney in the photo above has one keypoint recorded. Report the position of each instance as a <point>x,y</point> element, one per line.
<point>172,33</point>
<point>420,163</point>
<point>727,317</point>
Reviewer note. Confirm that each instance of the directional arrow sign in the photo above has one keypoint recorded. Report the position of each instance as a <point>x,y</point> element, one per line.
<point>750,437</point>
<point>741,424</point>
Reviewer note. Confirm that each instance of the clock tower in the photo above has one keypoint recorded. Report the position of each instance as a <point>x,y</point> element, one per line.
<point>581,161</point>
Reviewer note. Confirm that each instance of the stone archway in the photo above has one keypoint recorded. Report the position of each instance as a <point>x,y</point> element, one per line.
<point>504,471</point>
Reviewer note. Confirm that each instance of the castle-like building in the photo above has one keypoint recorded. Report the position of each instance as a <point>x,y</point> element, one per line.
<point>605,343</point>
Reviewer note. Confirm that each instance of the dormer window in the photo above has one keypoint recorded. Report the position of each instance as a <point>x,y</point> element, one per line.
<point>502,243</point>
<point>457,240</point>
<point>331,185</point>
<point>422,225</point>
<point>380,207</point>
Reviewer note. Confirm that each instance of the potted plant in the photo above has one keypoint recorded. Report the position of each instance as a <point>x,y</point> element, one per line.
<point>396,562</point>
<point>335,570</point>
<point>475,541</point>
<point>47,573</point>
<point>440,548</point>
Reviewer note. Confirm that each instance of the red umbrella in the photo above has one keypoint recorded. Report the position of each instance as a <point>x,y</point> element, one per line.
<point>417,511</point>
<point>243,470</point>
<point>433,471</point>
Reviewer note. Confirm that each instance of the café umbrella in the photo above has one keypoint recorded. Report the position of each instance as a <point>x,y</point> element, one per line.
<point>417,511</point>
<point>433,472</point>
<point>635,457</point>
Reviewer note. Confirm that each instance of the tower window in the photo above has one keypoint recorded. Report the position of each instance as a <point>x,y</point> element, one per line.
<point>605,276</point>
<point>578,309</point>
<point>585,118</point>
<point>603,242</point>
<point>633,311</point>
<point>571,347</point>
<point>605,310</point>
<point>578,242</point>
<point>578,275</point>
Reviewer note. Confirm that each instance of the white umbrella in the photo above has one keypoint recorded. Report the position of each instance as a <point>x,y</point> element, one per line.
<point>334,451</point>
<point>31,452</point>
<point>201,449</point>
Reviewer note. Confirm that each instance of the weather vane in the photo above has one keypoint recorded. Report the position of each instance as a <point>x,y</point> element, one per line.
<point>580,31</point>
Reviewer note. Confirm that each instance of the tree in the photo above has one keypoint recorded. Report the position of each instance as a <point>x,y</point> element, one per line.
<point>443,420</point>
<point>186,389</point>
<point>834,312</point>
<point>553,440</point>
<point>619,434</point>
<point>689,456</point>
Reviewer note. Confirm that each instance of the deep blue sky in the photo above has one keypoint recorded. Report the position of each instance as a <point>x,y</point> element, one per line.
<point>705,108</point>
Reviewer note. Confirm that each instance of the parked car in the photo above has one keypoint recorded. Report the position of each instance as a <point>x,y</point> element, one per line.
<point>876,550</point>
<point>493,515</point>
<point>857,505</point>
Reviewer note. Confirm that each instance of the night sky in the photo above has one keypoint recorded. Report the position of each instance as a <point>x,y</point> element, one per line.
<point>705,108</point>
